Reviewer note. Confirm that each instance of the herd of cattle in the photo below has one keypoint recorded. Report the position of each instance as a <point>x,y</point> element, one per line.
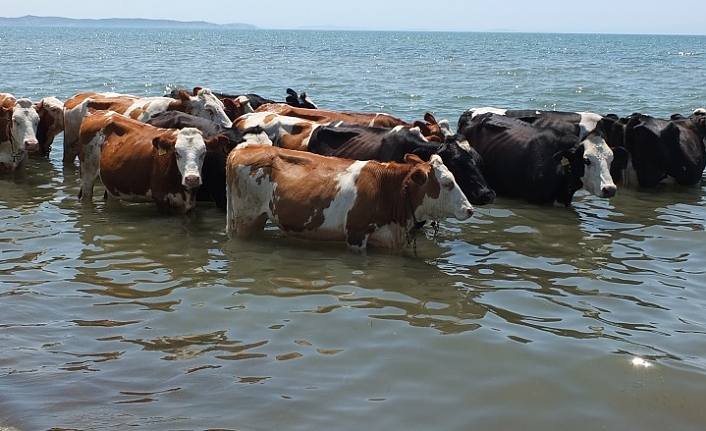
<point>361,178</point>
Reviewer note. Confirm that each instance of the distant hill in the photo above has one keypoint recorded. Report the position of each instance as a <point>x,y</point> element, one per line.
<point>41,21</point>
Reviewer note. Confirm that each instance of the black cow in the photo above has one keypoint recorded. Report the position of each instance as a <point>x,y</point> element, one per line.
<point>213,175</point>
<point>391,144</point>
<point>541,165</point>
<point>580,124</point>
<point>661,149</point>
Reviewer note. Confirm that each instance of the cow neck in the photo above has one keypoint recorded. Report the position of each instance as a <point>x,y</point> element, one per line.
<point>569,173</point>
<point>17,153</point>
<point>409,234</point>
<point>410,231</point>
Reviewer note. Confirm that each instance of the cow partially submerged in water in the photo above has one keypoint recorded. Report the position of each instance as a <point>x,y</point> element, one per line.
<point>138,162</point>
<point>361,203</point>
<point>18,131</point>
<point>541,165</point>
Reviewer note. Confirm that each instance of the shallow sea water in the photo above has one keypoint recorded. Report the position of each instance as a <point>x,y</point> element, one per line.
<point>523,317</point>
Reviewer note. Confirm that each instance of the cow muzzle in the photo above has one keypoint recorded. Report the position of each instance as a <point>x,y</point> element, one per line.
<point>192,181</point>
<point>30,145</point>
<point>608,191</point>
<point>484,197</point>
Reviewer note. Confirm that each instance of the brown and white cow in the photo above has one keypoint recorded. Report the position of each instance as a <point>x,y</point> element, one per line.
<point>18,131</point>
<point>431,129</point>
<point>141,163</point>
<point>77,107</point>
<point>204,104</point>
<point>294,133</point>
<point>51,123</point>
<point>323,116</point>
<point>332,199</point>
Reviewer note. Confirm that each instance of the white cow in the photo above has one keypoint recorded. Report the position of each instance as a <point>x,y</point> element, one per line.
<point>18,131</point>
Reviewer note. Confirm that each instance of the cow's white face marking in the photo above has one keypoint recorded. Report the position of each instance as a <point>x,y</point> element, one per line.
<point>24,125</point>
<point>597,157</point>
<point>445,127</point>
<point>206,105</point>
<point>588,123</point>
<point>451,201</point>
<point>465,145</point>
<point>190,151</point>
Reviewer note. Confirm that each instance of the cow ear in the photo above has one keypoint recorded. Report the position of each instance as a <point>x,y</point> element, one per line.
<point>419,176</point>
<point>412,159</point>
<point>429,118</point>
<point>229,103</point>
<point>564,157</point>
<point>162,146</point>
<point>196,90</point>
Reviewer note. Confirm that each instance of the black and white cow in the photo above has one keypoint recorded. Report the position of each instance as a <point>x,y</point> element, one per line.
<point>213,176</point>
<point>384,144</point>
<point>577,123</point>
<point>541,165</point>
<point>661,149</point>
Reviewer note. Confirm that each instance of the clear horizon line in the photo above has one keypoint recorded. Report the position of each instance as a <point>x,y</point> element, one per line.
<point>328,27</point>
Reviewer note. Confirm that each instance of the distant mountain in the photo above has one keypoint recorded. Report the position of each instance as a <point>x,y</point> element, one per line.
<point>42,21</point>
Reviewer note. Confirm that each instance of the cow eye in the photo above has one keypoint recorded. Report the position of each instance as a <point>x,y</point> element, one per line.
<point>586,162</point>
<point>449,186</point>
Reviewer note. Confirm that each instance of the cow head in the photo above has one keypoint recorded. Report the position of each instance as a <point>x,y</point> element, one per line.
<point>18,128</point>
<point>464,162</point>
<point>51,123</point>
<point>433,130</point>
<point>189,151</point>
<point>432,192</point>
<point>206,105</point>
<point>299,101</point>
<point>699,117</point>
<point>590,161</point>
<point>24,125</point>
<point>237,107</point>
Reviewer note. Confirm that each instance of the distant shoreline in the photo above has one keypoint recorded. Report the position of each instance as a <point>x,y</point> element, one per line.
<point>148,23</point>
<point>39,21</point>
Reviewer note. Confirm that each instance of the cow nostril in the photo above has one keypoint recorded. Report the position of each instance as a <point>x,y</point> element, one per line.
<point>192,180</point>
<point>608,191</point>
<point>489,197</point>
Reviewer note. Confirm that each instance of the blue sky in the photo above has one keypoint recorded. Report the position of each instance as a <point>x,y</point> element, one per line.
<point>563,16</point>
